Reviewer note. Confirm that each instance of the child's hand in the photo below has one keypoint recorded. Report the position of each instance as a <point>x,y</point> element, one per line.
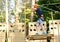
<point>42,17</point>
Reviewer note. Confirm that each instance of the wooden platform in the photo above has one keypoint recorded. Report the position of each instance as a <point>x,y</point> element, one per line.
<point>40,37</point>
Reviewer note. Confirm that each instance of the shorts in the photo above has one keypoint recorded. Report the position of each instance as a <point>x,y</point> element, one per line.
<point>39,21</point>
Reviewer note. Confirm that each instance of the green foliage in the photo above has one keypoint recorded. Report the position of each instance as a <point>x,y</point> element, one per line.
<point>35,18</point>
<point>2,16</point>
<point>20,17</point>
<point>28,11</point>
<point>27,20</point>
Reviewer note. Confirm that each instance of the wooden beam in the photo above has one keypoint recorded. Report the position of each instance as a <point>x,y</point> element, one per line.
<point>39,37</point>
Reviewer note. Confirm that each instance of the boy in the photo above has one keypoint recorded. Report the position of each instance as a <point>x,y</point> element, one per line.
<point>40,20</point>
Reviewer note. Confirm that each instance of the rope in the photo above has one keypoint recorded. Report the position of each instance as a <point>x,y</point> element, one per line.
<point>48,8</point>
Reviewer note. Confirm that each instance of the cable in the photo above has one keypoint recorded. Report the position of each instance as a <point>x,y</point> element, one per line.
<point>51,4</point>
<point>49,8</point>
<point>57,7</point>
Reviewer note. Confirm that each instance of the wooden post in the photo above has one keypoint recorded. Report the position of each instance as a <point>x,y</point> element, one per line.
<point>6,39</point>
<point>16,13</point>
<point>33,2</point>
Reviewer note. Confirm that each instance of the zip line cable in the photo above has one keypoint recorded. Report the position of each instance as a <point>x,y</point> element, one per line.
<point>48,8</point>
<point>51,4</point>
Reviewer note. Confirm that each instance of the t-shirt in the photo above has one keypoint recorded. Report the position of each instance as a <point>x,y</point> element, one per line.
<point>39,11</point>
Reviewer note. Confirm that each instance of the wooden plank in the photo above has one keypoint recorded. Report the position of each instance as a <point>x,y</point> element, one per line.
<point>34,40</point>
<point>56,30</point>
<point>2,35</point>
<point>39,37</point>
<point>16,33</point>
